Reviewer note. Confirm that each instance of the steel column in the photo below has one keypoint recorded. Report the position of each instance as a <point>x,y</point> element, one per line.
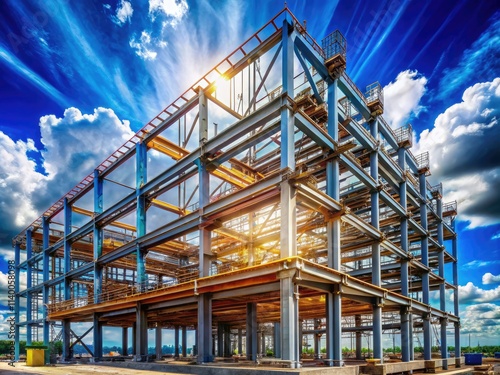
<point>134,338</point>
<point>45,295</point>
<point>140,180</point>
<point>184,341</point>
<point>29,284</point>
<point>251,331</point>
<point>17,307</point>
<point>425,261</point>
<point>67,248</point>
<point>376,259</point>
<point>289,320</point>
<point>124,341</point>
<point>288,237</point>
<point>405,319</point>
<point>66,338</point>
<point>442,286</point>
<point>98,235</point>
<point>176,342</point>
<point>456,309</point>
<point>333,300</point>
<point>97,337</point>
<point>277,339</point>
<point>141,335</point>
<point>204,328</point>
<point>220,339</point>
<point>158,343</point>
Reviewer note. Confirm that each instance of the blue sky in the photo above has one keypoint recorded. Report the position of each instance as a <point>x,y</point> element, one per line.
<point>78,78</point>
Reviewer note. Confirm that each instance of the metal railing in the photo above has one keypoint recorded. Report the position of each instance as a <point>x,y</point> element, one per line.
<point>404,134</point>
<point>374,92</point>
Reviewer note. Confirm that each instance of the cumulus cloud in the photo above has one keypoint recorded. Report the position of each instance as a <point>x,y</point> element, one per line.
<point>73,146</point>
<point>76,143</point>
<point>489,278</point>
<point>471,293</point>
<point>174,10</point>
<point>143,46</point>
<point>124,12</point>
<point>402,98</point>
<point>483,320</point>
<point>465,155</point>
<point>16,188</point>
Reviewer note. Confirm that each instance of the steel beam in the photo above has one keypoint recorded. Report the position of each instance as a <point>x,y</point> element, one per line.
<point>314,132</point>
<point>357,171</point>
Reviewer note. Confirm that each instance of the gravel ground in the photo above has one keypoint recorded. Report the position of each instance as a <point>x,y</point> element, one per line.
<point>21,368</point>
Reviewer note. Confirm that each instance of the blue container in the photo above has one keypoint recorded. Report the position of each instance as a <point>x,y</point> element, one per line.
<point>473,359</point>
<point>497,354</point>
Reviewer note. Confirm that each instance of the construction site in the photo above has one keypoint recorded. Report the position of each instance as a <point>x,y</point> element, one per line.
<point>269,209</point>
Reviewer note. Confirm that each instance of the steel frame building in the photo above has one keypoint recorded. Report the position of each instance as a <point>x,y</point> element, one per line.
<point>271,198</point>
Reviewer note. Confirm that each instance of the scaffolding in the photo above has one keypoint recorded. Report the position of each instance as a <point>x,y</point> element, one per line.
<point>262,205</point>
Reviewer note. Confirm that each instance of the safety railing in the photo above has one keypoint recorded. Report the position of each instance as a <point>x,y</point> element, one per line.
<point>404,135</point>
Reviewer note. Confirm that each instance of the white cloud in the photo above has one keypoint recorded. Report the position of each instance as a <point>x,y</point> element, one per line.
<point>174,10</point>
<point>124,12</point>
<point>402,97</point>
<point>471,293</point>
<point>16,188</point>
<point>496,236</point>
<point>74,145</point>
<point>489,278</point>
<point>482,320</point>
<point>465,155</point>
<point>143,46</point>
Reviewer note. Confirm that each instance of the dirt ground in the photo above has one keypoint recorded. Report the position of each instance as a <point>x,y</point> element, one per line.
<point>21,368</point>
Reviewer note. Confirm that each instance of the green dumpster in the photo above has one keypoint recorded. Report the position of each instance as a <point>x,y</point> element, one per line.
<point>35,355</point>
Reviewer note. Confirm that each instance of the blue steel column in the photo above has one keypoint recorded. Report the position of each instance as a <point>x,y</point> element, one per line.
<point>124,341</point>
<point>29,284</point>
<point>277,339</point>
<point>333,300</point>
<point>251,331</point>
<point>98,235</point>
<point>288,236</point>
<point>204,331</point>
<point>17,307</point>
<point>45,296</point>
<point>141,335</point>
<point>184,342</point>
<point>405,318</point>
<point>66,324</point>
<point>97,336</point>
<point>425,261</point>
<point>141,345</point>
<point>140,179</point>
<point>442,286</point>
<point>176,342</point>
<point>158,343</point>
<point>376,263</point>
<point>456,309</point>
